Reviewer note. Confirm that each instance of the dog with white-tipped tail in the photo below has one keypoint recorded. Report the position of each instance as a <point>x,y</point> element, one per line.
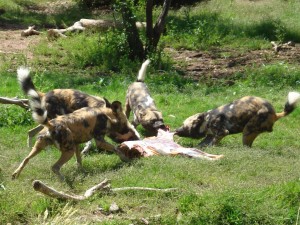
<point>249,115</point>
<point>139,101</point>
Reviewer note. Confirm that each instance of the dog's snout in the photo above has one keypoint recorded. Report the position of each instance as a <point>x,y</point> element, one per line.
<point>179,131</point>
<point>159,125</point>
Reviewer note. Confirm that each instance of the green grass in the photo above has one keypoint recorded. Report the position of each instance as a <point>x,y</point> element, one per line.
<point>248,186</point>
<point>242,24</point>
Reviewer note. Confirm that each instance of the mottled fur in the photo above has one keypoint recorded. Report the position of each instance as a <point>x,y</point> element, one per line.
<point>66,132</point>
<point>249,115</point>
<point>58,101</point>
<point>139,101</point>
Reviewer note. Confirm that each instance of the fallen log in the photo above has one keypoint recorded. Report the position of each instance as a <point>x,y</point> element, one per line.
<point>102,186</point>
<point>163,144</point>
<point>83,24</point>
<point>24,103</point>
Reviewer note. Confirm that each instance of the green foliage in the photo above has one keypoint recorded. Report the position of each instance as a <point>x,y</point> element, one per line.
<point>13,116</point>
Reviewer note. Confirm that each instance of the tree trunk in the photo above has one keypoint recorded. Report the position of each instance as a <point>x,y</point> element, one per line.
<point>153,34</point>
<point>132,35</point>
<point>161,23</point>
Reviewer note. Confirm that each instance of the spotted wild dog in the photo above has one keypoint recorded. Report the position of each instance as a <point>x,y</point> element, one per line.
<point>249,115</point>
<point>58,101</point>
<point>139,101</point>
<point>66,132</point>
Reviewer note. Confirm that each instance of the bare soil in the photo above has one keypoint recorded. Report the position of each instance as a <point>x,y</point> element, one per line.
<point>216,63</point>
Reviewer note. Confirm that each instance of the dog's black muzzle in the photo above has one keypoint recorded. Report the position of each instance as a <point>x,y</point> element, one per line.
<point>160,125</point>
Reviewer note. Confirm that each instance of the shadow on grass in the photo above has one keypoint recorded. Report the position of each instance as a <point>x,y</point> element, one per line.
<point>209,25</point>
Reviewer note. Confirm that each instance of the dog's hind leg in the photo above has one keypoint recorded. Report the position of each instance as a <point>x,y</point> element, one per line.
<point>257,125</point>
<point>66,155</point>
<point>31,133</point>
<point>39,145</point>
<point>248,138</point>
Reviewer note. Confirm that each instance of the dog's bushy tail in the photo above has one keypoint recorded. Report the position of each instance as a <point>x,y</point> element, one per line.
<point>25,80</point>
<point>39,112</point>
<point>142,72</point>
<point>290,105</point>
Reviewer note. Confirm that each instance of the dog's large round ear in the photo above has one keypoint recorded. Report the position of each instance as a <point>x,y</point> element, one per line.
<point>116,107</point>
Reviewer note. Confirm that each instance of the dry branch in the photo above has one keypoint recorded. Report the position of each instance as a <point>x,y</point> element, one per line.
<point>24,103</point>
<point>43,188</point>
<point>29,31</point>
<point>103,186</point>
<point>278,47</point>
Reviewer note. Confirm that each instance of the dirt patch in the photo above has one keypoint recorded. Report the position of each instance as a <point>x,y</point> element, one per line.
<point>12,43</point>
<point>220,63</point>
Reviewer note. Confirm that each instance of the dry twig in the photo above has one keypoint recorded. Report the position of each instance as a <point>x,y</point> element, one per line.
<point>24,103</point>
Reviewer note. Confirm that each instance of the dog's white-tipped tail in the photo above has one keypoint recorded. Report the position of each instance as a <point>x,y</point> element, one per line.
<point>142,72</point>
<point>23,73</point>
<point>290,105</point>
<point>293,97</point>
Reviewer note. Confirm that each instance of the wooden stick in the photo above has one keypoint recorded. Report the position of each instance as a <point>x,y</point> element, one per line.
<point>24,103</point>
<point>143,189</point>
<point>103,186</point>
<point>30,31</point>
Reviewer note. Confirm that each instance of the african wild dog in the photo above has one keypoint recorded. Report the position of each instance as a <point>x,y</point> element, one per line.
<point>139,101</point>
<point>66,132</point>
<point>59,101</point>
<point>249,115</point>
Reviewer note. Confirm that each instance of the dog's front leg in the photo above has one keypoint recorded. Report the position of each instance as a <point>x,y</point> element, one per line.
<point>207,141</point>
<point>102,144</point>
<point>217,138</point>
<point>135,121</point>
<point>127,109</point>
<point>39,145</point>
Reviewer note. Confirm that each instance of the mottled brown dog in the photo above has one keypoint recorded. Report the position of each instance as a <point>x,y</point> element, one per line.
<point>58,101</point>
<point>139,101</point>
<point>249,115</point>
<point>66,132</point>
